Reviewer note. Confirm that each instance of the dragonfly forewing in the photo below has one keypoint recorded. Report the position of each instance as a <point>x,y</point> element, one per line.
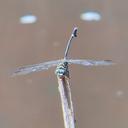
<point>46,65</point>
<point>35,67</point>
<point>90,62</point>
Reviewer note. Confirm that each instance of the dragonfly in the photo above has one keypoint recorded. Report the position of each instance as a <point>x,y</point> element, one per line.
<point>62,64</point>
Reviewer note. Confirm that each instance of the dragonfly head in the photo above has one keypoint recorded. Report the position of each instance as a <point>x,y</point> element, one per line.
<point>62,69</point>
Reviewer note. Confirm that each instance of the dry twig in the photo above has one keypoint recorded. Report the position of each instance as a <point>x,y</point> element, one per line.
<point>66,101</point>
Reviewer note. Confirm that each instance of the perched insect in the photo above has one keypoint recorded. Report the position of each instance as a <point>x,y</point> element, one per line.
<point>62,64</point>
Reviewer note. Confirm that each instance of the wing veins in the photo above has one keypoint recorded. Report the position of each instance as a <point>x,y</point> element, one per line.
<point>90,62</point>
<point>35,67</point>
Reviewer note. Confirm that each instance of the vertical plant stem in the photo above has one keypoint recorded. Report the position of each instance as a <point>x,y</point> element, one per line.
<point>66,101</point>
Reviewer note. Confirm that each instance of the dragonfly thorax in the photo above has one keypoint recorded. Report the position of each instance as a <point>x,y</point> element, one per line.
<point>62,69</point>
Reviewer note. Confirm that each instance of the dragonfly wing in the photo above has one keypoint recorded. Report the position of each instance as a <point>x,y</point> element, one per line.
<point>91,62</point>
<point>35,67</point>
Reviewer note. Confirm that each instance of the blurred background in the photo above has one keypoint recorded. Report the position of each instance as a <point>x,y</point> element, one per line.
<point>34,31</point>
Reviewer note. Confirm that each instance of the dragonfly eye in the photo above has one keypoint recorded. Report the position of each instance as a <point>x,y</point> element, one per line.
<point>65,63</point>
<point>60,71</point>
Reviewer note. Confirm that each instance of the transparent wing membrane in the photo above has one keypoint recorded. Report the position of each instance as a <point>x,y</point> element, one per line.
<point>35,67</point>
<point>91,62</point>
<point>46,65</point>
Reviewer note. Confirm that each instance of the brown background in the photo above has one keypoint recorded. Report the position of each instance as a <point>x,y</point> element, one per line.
<point>100,94</point>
